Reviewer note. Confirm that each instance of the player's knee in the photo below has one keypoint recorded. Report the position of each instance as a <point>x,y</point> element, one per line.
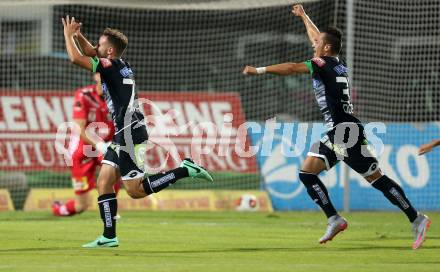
<point>313,165</point>
<point>374,176</point>
<point>105,184</point>
<point>100,182</point>
<point>134,193</point>
<point>103,180</point>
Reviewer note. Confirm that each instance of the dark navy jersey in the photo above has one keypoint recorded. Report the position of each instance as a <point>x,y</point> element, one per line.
<point>118,87</point>
<point>332,91</point>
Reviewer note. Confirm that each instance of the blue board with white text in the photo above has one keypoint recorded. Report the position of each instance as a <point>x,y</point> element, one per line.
<point>281,147</point>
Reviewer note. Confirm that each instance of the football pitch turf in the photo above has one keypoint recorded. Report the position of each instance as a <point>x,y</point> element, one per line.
<point>216,241</point>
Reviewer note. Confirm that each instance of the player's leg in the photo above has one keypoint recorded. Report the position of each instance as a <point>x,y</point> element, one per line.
<point>308,175</point>
<point>361,159</point>
<point>73,206</point>
<point>107,202</point>
<point>145,185</point>
<point>138,185</point>
<point>395,194</point>
<point>320,158</point>
<point>118,183</point>
<point>83,181</point>
<point>82,202</point>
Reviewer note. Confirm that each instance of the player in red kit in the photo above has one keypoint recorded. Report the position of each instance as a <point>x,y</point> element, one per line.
<point>95,130</point>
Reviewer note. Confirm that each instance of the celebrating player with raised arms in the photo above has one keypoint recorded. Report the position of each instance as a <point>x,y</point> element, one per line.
<point>345,139</point>
<point>90,112</point>
<point>125,156</point>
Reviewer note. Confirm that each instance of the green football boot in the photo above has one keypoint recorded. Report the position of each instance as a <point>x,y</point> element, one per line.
<point>101,241</point>
<point>195,170</point>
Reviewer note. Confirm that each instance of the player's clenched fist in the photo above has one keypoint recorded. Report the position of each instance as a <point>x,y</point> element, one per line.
<point>298,10</point>
<point>249,70</point>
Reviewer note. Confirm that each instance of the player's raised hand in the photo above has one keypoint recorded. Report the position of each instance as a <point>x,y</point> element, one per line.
<point>78,28</point>
<point>298,10</point>
<point>249,70</point>
<point>70,26</point>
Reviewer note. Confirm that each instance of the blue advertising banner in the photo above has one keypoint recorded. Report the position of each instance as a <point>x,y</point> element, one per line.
<point>281,147</point>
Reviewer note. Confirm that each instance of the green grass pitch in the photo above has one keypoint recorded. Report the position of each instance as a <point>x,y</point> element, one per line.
<point>224,242</point>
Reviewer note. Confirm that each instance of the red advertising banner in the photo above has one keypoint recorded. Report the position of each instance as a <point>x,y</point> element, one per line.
<point>207,127</point>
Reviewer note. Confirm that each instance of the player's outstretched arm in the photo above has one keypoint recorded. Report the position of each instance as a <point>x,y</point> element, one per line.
<point>70,28</point>
<point>312,30</point>
<point>429,146</point>
<point>283,69</point>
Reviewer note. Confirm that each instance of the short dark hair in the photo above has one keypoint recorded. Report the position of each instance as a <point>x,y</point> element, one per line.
<point>117,39</point>
<point>333,36</point>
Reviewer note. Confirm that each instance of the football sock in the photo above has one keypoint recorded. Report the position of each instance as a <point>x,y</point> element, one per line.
<point>394,193</point>
<point>108,208</point>
<point>158,182</point>
<point>317,191</point>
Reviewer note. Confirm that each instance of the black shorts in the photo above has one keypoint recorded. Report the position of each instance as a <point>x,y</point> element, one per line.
<point>128,156</point>
<point>346,142</point>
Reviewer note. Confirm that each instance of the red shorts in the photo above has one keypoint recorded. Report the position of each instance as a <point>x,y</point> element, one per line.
<point>83,173</point>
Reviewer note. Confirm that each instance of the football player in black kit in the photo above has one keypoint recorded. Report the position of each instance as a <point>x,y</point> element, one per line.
<point>125,156</point>
<point>345,139</point>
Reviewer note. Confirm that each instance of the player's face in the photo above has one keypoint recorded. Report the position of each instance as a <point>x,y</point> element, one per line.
<point>320,47</point>
<point>104,49</point>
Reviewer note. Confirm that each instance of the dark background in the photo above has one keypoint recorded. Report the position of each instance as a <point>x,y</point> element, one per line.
<point>206,51</point>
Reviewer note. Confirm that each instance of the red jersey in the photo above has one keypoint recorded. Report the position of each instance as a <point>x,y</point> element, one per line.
<point>90,106</point>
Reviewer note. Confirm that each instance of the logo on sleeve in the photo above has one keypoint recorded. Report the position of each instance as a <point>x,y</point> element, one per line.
<point>340,69</point>
<point>318,61</point>
<point>106,62</point>
<point>126,72</point>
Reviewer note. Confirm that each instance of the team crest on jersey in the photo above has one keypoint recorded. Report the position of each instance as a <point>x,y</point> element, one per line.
<point>340,69</point>
<point>106,62</point>
<point>126,72</point>
<point>318,61</point>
